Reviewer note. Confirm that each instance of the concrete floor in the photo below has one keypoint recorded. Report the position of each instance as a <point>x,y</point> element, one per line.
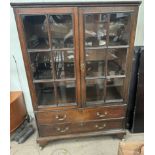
<point>103,145</point>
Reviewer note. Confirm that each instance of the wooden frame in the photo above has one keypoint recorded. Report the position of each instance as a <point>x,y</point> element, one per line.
<point>96,10</point>
<point>38,11</point>
<point>77,4</point>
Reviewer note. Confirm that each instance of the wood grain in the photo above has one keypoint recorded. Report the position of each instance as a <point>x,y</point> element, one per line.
<point>82,114</point>
<point>17,110</point>
<point>81,127</point>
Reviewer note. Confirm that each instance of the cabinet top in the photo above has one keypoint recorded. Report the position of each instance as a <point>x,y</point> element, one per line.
<point>71,4</point>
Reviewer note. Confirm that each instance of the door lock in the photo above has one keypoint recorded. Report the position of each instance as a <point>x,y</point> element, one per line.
<point>82,67</point>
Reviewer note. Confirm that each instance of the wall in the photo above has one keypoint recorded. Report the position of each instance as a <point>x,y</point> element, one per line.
<point>139,40</point>
<point>18,75</point>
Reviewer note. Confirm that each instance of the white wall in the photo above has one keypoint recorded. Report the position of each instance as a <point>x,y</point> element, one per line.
<point>139,40</point>
<point>18,75</point>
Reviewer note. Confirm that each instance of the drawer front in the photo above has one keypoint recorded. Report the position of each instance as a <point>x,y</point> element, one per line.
<point>86,114</point>
<point>103,113</point>
<point>81,127</point>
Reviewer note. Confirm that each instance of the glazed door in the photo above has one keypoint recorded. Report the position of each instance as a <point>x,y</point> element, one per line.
<point>104,51</point>
<point>52,54</point>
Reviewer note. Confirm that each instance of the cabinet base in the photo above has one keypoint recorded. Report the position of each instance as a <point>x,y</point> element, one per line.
<point>43,141</point>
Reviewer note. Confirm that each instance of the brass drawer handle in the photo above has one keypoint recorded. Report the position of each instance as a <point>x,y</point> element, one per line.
<point>101,115</point>
<point>62,130</point>
<point>81,124</point>
<point>100,127</point>
<point>61,118</point>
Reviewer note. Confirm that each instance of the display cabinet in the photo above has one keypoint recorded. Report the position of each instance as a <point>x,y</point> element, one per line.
<point>78,62</point>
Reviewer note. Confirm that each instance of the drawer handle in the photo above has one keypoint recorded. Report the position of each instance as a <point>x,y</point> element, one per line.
<point>62,130</point>
<point>61,118</point>
<point>100,127</point>
<point>101,115</point>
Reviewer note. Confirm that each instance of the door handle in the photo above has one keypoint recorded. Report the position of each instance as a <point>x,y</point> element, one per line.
<point>82,67</point>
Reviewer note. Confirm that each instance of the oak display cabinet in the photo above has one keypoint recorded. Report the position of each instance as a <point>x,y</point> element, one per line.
<point>78,62</point>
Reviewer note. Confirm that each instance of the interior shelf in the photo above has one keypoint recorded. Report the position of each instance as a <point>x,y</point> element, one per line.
<point>65,97</point>
<point>95,94</point>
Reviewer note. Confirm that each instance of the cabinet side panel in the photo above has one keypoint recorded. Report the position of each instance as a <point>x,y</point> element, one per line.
<point>130,53</point>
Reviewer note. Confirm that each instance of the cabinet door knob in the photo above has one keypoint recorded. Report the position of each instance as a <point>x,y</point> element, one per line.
<point>100,127</point>
<point>62,130</point>
<point>101,115</point>
<point>82,67</point>
<point>61,118</point>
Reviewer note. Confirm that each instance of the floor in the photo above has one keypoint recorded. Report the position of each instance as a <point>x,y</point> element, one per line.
<point>104,145</point>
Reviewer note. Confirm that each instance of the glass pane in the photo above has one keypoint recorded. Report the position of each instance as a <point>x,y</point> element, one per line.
<point>119,29</point>
<point>95,63</point>
<point>36,31</point>
<point>116,59</point>
<point>61,31</point>
<point>45,93</point>
<point>41,65</point>
<point>114,89</point>
<point>66,93</point>
<point>64,64</point>
<point>95,30</point>
<point>95,90</point>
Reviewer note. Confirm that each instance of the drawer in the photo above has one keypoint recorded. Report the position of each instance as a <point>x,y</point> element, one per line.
<point>82,114</point>
<point>103,113</point>
<point>80,127</point>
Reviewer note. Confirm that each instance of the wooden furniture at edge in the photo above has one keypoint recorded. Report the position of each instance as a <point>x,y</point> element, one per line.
<point>17,110</point>
<point>78,63</point>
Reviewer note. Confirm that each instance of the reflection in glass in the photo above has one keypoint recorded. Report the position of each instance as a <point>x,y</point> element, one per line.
<point>66,93</point>
<point>94,90</point>
<point>61,29</point>
<point>41,65</point>
<point>116,62</point>
<point>119,29</point>
<point>95,30</point>
<point>114,89</point>
<point>45,93</point>
<point>64,64</point>
<point>95,63</point>
<point>36,37</point>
